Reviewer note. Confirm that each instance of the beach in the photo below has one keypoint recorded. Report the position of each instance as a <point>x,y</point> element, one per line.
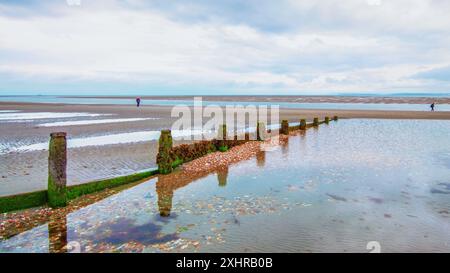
<point>25,171</point>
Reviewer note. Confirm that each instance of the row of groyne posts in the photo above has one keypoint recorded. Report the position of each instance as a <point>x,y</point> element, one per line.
<point>168,158</point>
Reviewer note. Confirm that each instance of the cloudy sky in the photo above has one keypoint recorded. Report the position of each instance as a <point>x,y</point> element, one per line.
<point>224,47</point>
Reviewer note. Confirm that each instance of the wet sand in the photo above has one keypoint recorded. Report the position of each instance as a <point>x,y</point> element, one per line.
<point>298,99</point>
<point>27,171</point>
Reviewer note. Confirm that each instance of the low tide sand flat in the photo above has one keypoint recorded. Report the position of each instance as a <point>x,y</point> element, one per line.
<point>90,122</point>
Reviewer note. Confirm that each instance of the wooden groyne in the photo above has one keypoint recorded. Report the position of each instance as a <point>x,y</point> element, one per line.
<point>169,157</point>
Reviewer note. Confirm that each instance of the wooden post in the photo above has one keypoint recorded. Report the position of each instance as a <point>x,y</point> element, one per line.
<point>335,118</point>
<point>222,136</point>
<point>164,159</point>
<point>284,127</point>
<point>316,122</point>
<point>303,124</point>
<point>327,120</point>
<point>260,131</point>
<point>57,170</point>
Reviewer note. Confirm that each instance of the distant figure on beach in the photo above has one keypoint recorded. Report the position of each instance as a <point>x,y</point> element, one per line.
<point>138,102</point>
<point>432,107</point>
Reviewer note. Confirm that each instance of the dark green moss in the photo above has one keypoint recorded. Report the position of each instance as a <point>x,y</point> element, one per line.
<point>316,122</point>
<point>82,189</point>
<point>302,124</point>
<point>23,201</point>
<point>223,148</point>
<point>56,195</point>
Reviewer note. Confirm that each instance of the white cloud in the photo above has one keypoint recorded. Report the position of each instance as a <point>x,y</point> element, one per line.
<point>371,46</point>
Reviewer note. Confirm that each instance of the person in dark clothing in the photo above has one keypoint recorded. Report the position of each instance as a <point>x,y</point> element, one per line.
<point>432,107</point>
<point>138,102</point>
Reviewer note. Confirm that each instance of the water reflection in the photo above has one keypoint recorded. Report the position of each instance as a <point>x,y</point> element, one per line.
<point>261,158</point>
<point>168,184</point>
<point>57,234</point>
<point>331,190</point>
<point>222,176</point>
<point>284,146</point>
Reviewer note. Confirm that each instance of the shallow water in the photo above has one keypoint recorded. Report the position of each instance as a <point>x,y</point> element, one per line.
<point>91,122</point>
<point>132,137</point>
<point>171,102</point>
<point>332,189</point>
<point>17,116</point>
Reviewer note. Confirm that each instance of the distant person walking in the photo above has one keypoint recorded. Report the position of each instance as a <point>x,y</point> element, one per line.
<point>138,102</point>
<point>432,107</point>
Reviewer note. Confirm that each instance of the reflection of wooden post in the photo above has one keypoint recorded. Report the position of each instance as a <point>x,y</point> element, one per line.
<point>260,131</point>
<point>222,137</point>
<point>164,159</point>
<point>165,195</point>
<point>335,118</point>
<point>327,120</point>
<point>261,158</point>
<point>285,146</point>
<point>222,176</point>
<point>284,127</point>
<point>57,234</point>
<point>57,167</point>
<point>316,122</point>
<point>303,124</point>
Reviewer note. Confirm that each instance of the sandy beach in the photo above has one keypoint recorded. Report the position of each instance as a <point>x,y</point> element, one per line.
<point>102,161</point>
<point>306,99</point>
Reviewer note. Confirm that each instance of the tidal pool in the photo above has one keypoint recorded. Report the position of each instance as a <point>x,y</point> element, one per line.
<point>332,189</point>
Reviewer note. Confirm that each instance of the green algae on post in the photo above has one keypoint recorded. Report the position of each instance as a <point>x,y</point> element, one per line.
<point>316,122</point>
<point>327,120</point>
<point>303,124</point>
<point>164,158</point>
<point>57,170</point>
<point>222,137</point>
<point>284,127</point>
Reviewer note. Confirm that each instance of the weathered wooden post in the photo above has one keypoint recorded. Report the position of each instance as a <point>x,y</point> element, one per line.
<point>284,127</point>
<point>260,131</point>
<point>335,118</point>
<point>222,136</point>
<point>327,120</point>
<point>303,124</point>
<point>316,122</point>
<point>164,159</point>
<point>57,170</point>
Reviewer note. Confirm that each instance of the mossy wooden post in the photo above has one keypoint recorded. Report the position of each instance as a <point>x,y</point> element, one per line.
<point>335,118</point>
<point>164,159</point>
<point>222,136</point>
<point>260,131</point>
<point>303,124</point>
<point>57,170</point>
<point>316,122</point>
<point>327,120</point>
<point>284,127</point>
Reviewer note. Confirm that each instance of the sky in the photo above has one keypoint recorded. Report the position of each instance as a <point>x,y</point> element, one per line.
<point>188,47</point>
